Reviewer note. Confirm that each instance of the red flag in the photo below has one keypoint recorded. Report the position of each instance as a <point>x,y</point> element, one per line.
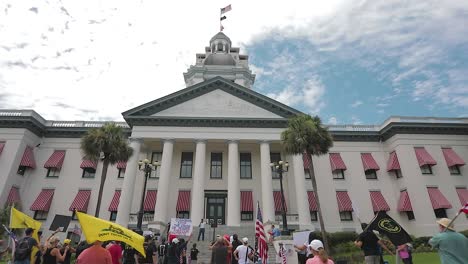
<point>260,236</point>
<point>464,209</point>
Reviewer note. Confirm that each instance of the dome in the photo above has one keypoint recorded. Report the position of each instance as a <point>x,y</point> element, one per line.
<point>221,35</point>
<point>220,59</point>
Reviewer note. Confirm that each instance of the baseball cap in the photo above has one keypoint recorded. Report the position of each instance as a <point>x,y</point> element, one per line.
<point>66,241</point>
<point>245,240</point>
<point>175,240</point>
<point>316,244</point>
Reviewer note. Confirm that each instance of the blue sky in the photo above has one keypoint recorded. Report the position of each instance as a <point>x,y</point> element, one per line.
<point>353,62</point>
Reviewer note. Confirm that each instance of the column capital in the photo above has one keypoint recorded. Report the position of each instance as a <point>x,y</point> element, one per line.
<point>169,140</point>
<point>264,141</point>
<point>200,140</point>
<point>136,139</point>
<point>229,141</point>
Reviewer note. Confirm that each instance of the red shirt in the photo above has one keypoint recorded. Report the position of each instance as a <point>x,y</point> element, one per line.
<point>95,255</point>
<point>115,251</point>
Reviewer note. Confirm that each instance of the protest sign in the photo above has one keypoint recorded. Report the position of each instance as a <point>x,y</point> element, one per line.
<point>300,238</point>
<point>181,227</point>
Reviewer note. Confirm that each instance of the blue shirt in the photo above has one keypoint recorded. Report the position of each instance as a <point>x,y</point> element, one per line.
<point>452,247</point>
<point>276,232</point>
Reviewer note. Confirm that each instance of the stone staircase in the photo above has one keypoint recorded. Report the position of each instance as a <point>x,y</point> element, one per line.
<point>246,230</point>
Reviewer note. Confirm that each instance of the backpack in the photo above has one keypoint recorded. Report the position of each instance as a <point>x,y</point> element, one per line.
<point>162,250</point>
<point>23,250</point>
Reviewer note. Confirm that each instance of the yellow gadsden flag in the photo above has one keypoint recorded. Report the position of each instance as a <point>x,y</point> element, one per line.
<point>96,229</point>
<point>19,219</point>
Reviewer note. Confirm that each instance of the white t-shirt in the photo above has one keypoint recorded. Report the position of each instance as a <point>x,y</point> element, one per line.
<point>308,251</point>
<point>202,225</point>
<point>242,251</point>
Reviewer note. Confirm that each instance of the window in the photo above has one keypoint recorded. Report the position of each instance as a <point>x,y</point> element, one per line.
<point>346,216</point>
<point>121,173</point>
<point>246,216</point>
<point>440,213</point>
<point>88,173</point>
<point>410,215</point>
<point>338,174</point>
<point>53,172</point>
<point>183,214</point>
<point>398,174</point>
<point>156,156</point>
<point>426,169</point>
<point>186,164</point>
<point>306,173</point>
<point>21,170</point>
<point>40,215</point>
<point>274,158</point>
<point>371,174</point>
<point>245,165</point>
<point>113,216</point>
<point>313,216</point>
<point>216,171</point>
<point>75,238</point>
<point>454,170</point>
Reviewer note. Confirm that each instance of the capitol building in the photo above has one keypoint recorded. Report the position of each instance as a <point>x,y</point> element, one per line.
<point>215,140</point>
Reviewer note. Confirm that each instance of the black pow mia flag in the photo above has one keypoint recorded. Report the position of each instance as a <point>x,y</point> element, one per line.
<point>385,225</point>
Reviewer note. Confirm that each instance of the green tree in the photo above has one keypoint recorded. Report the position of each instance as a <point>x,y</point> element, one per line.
<point>109,144</point>
<point>306,135</point>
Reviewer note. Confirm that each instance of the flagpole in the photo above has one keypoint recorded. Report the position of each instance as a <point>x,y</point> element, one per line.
<point>453,220</point>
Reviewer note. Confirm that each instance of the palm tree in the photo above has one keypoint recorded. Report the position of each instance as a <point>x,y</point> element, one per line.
<point>109,144</point>
<point>305,135</point>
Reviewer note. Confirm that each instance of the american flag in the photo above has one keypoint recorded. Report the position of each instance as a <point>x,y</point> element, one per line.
<point>283,255</point>
<point>464,209</point>
<point>226,9</point>
<point>306,159</point>
<point>260,236</point>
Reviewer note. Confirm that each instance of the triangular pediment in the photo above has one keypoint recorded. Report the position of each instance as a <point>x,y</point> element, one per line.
<point>211,101</point>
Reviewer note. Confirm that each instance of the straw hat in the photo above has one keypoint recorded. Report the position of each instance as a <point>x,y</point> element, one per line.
<point>445,223</point>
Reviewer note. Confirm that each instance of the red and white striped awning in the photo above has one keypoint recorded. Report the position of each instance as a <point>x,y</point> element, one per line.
<point>28,158</point>
<point>277,200</point>
<point>438,200</point>
<point>55,160</point>
<point>424,158</point>
<point>88,164</point>
<point>43,201</point>
<point>344,202</point>
<point>336,162</point>
<point>114,205</point>
<point>183,201</point>
<point>306,159</point>
<point>452,158</point>
<point>312,201</point>
<point>121,164</point>
<point>246,201</point>
<point>150,200</point>
<point>81,201</point>
<point>369,162</point>
<point>13,196</point>
<point>404,204</point>
<point>393,163</point>
<point>2,145</point>
<point>463,195</point>
<point>378,201</point>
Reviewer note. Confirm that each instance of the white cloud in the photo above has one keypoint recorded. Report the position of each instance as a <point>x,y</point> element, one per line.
<point>356,103</point>
<point>332,120</point>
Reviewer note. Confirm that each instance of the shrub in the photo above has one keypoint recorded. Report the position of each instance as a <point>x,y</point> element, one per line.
<point>421,241</point>
<point>465,232</point>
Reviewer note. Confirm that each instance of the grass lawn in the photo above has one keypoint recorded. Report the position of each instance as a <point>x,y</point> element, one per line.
<point>424,258</point>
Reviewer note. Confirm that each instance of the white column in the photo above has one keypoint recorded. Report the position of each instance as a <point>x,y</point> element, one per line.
<point>160,210</point>
<point>198,193</point>
<point>126,197</point>
<point>302,200</point>
<point>233,184</point>
<point>267,183</point>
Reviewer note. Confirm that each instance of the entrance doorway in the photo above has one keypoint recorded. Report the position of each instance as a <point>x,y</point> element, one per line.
<point>216,208</point>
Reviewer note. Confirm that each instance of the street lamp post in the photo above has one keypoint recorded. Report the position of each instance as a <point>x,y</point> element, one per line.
<point>146,167</point>
<point>281,167</point>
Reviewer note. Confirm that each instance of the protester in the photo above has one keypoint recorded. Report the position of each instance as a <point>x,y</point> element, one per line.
<point>81,247</point>
<point>220,251</point>
<point>115,251</point>
<point>162,251</point>
<point>235,243</point>
<point>172,252</point>
<point>68,254</point>
<point>274,232</point>
<point>24,248</point>
<point>51,254</point>
<point>369,244</point>
<point>130,255</point>
<point>451,245</point>
<point>303,251</point>
<point>243,253</point>
<point>201,231</point>
<point>194,254</point>
<point>150,252</point>
<point>320,255</point>
<point>404,254</point>
<point>95,254</point>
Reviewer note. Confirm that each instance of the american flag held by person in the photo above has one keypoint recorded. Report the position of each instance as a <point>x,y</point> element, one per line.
<point>260,241</point>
